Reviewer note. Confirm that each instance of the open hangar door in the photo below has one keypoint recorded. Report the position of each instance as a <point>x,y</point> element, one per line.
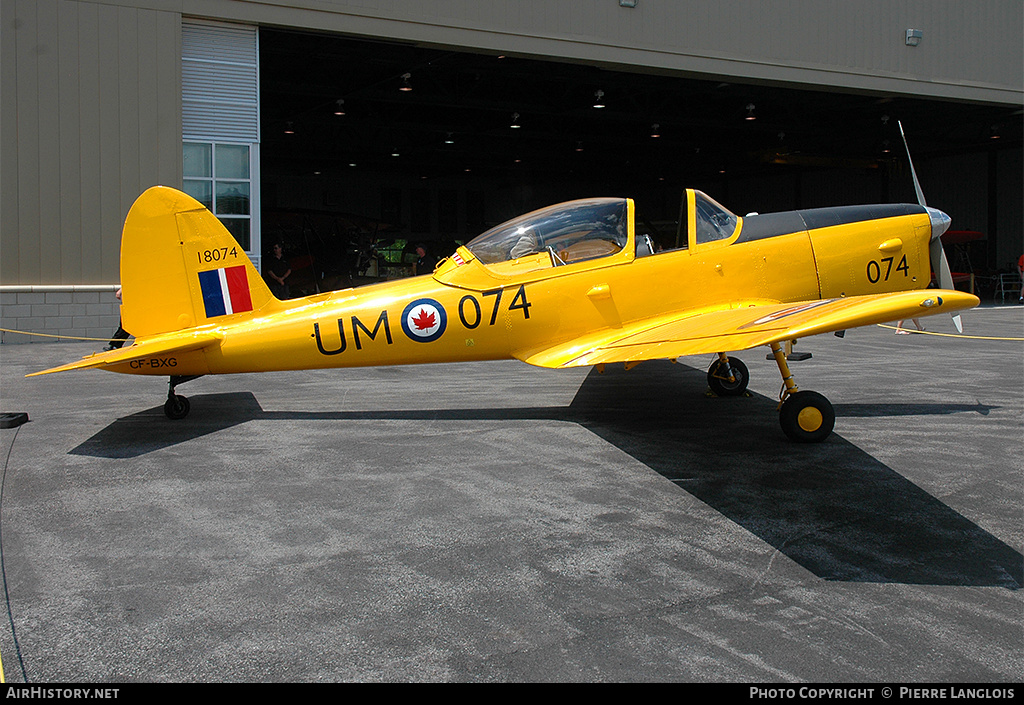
<point>370,147</point>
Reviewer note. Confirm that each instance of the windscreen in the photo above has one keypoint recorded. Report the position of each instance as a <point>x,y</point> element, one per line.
<point>714,222</point>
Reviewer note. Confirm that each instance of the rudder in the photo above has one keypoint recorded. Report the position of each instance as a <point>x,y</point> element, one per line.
<point>181,268</point>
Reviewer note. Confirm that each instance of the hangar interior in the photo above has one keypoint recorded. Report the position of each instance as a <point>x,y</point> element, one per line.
<point>371,142</point>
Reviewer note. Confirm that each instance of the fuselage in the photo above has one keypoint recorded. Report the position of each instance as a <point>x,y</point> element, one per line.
<point>472,310</point>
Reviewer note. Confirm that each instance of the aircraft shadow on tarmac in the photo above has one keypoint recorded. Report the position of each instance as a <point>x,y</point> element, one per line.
<point>830,507</point>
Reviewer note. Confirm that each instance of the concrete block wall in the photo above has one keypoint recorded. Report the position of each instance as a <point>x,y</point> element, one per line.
<point>68,312</point>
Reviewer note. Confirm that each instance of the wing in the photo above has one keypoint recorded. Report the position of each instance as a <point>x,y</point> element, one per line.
<point>741,326</point>
<point>147,348</point>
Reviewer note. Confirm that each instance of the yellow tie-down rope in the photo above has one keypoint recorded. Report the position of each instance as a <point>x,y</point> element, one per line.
<point>51,335</point>
<point>948,335</point>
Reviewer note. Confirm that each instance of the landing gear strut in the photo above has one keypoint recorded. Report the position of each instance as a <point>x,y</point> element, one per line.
<point>806,417</point>
<point>177,407</point>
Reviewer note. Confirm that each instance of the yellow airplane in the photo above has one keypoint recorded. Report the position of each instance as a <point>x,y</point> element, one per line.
<point>572,284</point>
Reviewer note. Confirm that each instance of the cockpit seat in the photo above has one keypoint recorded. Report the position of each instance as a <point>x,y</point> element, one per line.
<point>588,249</point>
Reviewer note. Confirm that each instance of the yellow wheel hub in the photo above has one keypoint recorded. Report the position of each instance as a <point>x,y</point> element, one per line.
<point>809,419</point>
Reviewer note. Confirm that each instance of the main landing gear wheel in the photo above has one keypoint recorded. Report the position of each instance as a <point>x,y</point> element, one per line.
<point>718,378</point>
<point>807,417</point>
<point>176,407</point>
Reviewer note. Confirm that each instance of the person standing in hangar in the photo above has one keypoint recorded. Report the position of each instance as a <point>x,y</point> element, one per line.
<point>278,271</point>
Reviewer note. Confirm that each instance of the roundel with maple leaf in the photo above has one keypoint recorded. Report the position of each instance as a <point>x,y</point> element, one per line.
<point>424,320</point>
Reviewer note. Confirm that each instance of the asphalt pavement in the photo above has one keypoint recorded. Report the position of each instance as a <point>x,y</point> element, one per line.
<point>498,522</point>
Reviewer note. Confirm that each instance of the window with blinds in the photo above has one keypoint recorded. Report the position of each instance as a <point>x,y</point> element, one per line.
<point>220,124</point>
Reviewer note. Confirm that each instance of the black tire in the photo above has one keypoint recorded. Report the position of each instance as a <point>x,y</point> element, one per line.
<point>13,419</point>
<point>176,407</point>
<point>807,417</point>
<point>719,382</point>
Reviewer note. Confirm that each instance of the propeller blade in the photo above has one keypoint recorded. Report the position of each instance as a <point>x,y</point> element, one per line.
<point>940,221</point>
<point>945,278</point>
<point>917,185</point>
<point>940,265</point>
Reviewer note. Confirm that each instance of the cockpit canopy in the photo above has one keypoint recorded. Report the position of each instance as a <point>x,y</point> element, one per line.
<point>587,234</point>
<point>570,232</point>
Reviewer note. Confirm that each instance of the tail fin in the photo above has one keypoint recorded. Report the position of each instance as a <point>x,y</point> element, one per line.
<point>181,268</point>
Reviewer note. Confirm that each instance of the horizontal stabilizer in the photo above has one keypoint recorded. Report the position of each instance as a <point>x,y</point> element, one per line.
<point>147,349</point>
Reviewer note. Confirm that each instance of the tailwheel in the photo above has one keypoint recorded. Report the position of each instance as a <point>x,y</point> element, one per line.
<point>176,407</point>
<point>728,377</point>
<point>807,417</point>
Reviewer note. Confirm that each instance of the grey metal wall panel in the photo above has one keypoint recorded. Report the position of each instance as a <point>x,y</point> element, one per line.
<point>91,117</point>
<point>167,75</point>
<point>88,137</point>
<point>9,186</point>
<point>48,125</point>
<point>109,167</point>
<point>70,213</point>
